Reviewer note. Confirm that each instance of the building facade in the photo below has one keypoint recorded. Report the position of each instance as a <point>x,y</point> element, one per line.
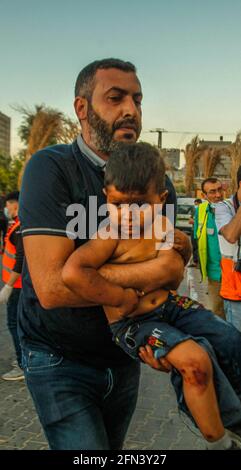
<point>171,158</point>
<point>5,132</point>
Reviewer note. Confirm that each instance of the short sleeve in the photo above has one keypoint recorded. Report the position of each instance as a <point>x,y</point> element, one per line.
<point>223,214</point>
<point>44,197</point>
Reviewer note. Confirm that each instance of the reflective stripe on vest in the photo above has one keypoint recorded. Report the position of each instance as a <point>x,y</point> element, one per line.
<point>202,237</point>
<point>9,257</point>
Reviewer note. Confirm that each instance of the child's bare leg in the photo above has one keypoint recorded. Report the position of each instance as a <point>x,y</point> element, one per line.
<point>195,366</point>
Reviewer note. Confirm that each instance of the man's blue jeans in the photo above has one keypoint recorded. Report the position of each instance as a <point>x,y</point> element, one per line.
<point>81,407</point>
<point>233,312</point>
<point>12,309</point>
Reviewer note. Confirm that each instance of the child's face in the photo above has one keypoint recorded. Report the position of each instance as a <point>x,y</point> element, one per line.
<point>134,209</point>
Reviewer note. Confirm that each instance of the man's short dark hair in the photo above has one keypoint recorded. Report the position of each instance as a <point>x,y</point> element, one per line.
<point>13,196</point>
<point>211,179</point>
<point>85,80</point>
<point>134,167</point>
<point>239,176</point>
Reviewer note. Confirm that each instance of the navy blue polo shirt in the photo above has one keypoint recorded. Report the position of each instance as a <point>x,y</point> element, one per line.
<point>55,178</point>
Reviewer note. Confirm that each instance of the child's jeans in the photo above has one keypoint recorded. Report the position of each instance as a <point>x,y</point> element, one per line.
<point>177,320</point>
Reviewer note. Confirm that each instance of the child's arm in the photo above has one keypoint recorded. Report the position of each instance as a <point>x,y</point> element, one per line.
<point>80,274</point>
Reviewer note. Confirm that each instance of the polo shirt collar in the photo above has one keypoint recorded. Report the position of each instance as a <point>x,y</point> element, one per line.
<point>95,159</point>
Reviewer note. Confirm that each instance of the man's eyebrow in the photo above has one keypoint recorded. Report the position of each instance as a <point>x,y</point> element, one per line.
<point>122,91</point>
<point>219,187</point>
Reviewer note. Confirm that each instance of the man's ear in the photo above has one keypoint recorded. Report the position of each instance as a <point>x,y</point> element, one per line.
<point>163,196</point>
<point>104,191</point>
<point>81,107</point>
<point>203,196</point>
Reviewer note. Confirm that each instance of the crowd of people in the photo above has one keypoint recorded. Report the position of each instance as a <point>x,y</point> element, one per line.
<point>84,312</point>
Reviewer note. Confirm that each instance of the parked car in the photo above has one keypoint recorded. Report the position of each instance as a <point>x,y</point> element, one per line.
<point>185,211</point>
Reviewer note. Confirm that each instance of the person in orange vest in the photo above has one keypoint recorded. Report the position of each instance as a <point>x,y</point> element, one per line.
<point>228,221</point>
<point>11,275</point>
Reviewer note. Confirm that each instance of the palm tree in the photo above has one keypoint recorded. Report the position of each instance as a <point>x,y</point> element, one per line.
<point>211,157</point>
<point>235,155</point>
<point>44,126</point>
<point>45,129</point>
<point>192,154</point>
<point>28,116</point>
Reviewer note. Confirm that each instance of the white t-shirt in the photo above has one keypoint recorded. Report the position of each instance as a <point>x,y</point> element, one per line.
<point>224,213</point>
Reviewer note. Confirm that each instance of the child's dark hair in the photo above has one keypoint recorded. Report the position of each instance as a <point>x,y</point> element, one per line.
<point>134,167</point>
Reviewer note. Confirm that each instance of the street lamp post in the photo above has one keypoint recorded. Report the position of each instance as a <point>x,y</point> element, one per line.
<point>159,132</point>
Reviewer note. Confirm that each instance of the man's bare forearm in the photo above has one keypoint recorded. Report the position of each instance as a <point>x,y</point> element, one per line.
<point>93,286</point>
<point>60,295</point>
<point>232,231</point>
<point>146,276</point>
<point>46,257</point>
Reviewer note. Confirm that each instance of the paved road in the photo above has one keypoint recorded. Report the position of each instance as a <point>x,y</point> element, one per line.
<point>155,425</point>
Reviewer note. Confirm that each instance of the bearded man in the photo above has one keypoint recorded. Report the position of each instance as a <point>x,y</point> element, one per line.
<point>84,387</point>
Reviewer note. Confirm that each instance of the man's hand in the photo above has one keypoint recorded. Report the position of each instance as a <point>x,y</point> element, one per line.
<point>5,293</point>
<point>183,245</point>
<point>128,305</point>
<point>147,356</point>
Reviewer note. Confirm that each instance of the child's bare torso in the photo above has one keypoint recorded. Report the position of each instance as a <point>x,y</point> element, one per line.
<point>137,251</point>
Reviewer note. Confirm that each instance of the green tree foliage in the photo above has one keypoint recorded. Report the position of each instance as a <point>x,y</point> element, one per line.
<point>9,172</point>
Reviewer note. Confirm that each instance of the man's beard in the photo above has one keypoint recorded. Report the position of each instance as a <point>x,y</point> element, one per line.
<point>102,134</point>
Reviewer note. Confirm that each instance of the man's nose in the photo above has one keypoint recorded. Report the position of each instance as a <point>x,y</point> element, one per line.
<point>129,107</point>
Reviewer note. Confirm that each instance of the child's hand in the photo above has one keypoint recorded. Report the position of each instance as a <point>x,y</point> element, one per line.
<point>182,244</point>
<point>147,356</point>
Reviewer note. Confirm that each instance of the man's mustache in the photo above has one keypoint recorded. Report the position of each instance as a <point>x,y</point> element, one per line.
<point>129,123</point>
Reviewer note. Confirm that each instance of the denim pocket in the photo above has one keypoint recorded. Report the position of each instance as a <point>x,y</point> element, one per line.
<point>126,338</point>
<point>36,361</point>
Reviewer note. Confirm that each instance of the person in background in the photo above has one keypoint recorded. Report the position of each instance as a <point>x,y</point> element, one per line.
<point>194,263</point>
<point>206,234</point>
<point>11,275</point>
<point>228,221</point>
